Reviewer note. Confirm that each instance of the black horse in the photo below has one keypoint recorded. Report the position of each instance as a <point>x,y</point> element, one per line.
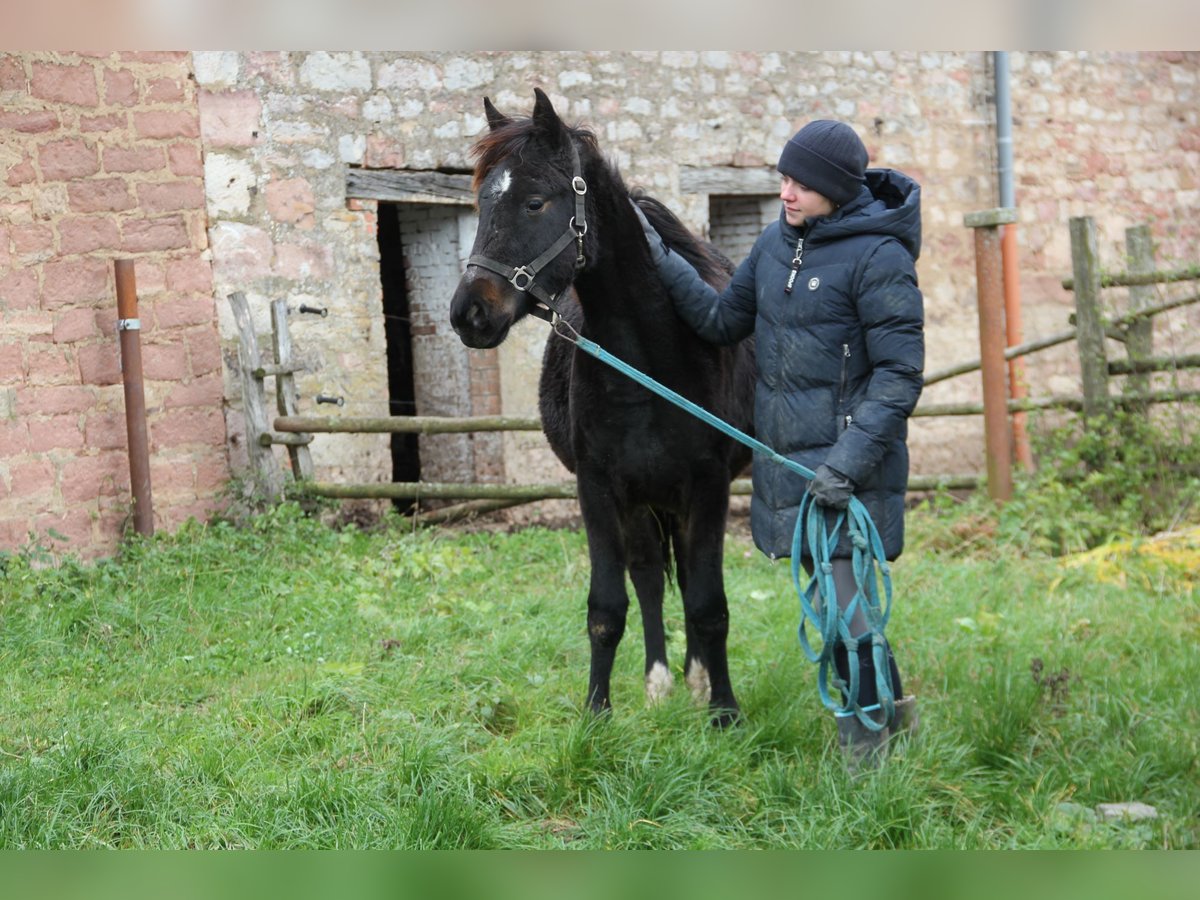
<point>553,214</point>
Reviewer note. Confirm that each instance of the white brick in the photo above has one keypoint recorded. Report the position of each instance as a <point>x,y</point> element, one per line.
<point>336,71</point>
<point>352,148</point>
<point>377,108</point>
<point>215,68</point>
<point>227,183</point>
<point>407,74</point>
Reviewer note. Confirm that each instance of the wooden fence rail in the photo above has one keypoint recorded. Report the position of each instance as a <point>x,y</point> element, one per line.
<point>1089,329</point>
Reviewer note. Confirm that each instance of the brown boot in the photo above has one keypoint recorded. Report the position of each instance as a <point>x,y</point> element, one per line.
<point>862,748</point>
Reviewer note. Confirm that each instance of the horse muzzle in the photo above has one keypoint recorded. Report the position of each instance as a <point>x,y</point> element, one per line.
<point>483,309</point>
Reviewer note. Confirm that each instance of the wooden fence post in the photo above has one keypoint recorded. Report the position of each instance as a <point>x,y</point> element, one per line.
<point>1093,360</point>
<point>265,469</point>
<point>989,282</point>
<point>285,389</point>
<point>1139,336</point>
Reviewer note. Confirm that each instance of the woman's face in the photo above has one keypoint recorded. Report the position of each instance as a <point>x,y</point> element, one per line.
<point>801,203</point>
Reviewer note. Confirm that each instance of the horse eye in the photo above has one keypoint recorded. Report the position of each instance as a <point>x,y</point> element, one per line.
<point>534,204</point>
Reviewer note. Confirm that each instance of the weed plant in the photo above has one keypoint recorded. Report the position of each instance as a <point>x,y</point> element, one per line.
<point>284,684</point>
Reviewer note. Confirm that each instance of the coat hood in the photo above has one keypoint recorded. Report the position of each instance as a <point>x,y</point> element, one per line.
<point>889,204</point>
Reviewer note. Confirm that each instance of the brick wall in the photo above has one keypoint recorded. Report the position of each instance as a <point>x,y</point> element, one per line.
<point>100,158</point>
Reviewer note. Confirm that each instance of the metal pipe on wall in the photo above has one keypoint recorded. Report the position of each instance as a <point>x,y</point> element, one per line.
<point>1018,389</point>
<point>129,328</point>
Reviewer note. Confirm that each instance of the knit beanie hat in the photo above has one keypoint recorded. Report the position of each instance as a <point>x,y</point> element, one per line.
<point>827,157</point>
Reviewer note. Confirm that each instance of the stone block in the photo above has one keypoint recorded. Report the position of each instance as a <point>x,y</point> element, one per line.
<point>291,201</point>
<point>166,124</point>
<point>34,122</point>
<point>34,239</point>
<point>99,195</point>
<point>106,430</point>
<point>68,158</point>
<point>67,282</point>
<point>186,426</point>
<point>99,363</point>
<point>228,181</point>
<point>120,88</point>
<point>83,234</point>
<point>184,158</point>
<point>73,325</point>
<point>32,478</point>
<point>88,477</point>
<point>12,364</point>
<point>71,84</point>
<point>14,439</point>
<point>162,233</point>
<point>105,123</point>
<point>141,158</point>
<point>240,252</point>
<point>165,361</point>
<point>215,68</point>
<point>21,173</point>
<point>190,274</point>
<point>168,196</point>
<point>324,71</point>
<point>55,433</point>
<point>230,118</point>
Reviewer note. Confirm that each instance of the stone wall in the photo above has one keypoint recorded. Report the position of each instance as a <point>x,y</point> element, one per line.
<point>1105,134</point>
<point>101,155</point>
<point>100,158</point>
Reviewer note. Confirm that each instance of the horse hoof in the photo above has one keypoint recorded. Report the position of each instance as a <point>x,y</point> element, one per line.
<point>726,718</point>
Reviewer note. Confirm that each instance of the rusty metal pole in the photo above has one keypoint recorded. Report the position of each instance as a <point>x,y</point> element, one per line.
<point>1017,385</point>
<point>129,328</point>
<point>989,279</point>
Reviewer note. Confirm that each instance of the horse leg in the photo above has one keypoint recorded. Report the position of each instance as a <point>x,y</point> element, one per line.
<point>646,550</point>
<point>608,601</point>
<point>705,605</point>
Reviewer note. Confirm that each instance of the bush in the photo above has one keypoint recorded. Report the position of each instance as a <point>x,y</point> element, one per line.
<point>1098,479</point>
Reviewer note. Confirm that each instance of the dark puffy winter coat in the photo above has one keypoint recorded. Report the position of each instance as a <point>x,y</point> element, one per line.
<point>840,357</point>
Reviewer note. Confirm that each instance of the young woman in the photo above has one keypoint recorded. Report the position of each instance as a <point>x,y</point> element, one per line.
<point>830,293</point>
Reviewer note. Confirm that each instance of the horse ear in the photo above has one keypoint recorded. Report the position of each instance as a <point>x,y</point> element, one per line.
<point>543,109</point>
<point>495,118</point>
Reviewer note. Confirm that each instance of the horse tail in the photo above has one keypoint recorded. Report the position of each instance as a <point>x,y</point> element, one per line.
<point>711,264</point>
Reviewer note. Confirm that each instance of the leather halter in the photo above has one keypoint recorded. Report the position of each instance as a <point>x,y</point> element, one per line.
<point>523,277</point>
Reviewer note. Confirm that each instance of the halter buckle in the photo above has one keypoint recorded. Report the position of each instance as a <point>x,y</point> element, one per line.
<point>518,274</point>
<point>579,185</point>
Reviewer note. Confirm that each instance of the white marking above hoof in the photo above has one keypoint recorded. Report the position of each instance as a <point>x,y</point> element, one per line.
<point>659,683</point>
<point>697,682</point>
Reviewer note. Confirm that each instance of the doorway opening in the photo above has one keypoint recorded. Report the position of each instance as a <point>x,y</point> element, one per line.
<point>397,318</point>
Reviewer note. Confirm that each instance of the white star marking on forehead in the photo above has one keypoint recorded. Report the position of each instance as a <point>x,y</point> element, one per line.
<point>500,184</point>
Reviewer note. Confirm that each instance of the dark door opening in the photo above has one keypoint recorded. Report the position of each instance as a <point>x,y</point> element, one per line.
<point>406,456</point>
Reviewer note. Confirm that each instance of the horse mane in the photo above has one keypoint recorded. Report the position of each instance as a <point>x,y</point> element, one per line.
<point>511,138</point>
<point>711,264</point>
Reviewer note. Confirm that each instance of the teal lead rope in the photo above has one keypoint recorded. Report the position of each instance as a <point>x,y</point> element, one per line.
<point>872,574</point>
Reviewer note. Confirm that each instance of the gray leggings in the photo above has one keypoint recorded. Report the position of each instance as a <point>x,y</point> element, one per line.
<point>843,584</point>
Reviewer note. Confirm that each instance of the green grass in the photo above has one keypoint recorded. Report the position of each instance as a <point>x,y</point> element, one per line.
<point>290,685</point>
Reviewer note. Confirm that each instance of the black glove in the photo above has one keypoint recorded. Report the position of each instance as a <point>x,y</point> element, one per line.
<point>831,488</point>
<point>658,250</point>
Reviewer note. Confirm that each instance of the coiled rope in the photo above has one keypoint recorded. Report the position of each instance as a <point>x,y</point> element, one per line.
<point>872,573</point>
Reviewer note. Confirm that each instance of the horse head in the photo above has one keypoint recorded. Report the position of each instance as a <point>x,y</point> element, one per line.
<point>532,234</point>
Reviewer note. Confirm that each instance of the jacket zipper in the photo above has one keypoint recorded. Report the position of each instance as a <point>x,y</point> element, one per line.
<point>846,418</point>
<point>796,260</point>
